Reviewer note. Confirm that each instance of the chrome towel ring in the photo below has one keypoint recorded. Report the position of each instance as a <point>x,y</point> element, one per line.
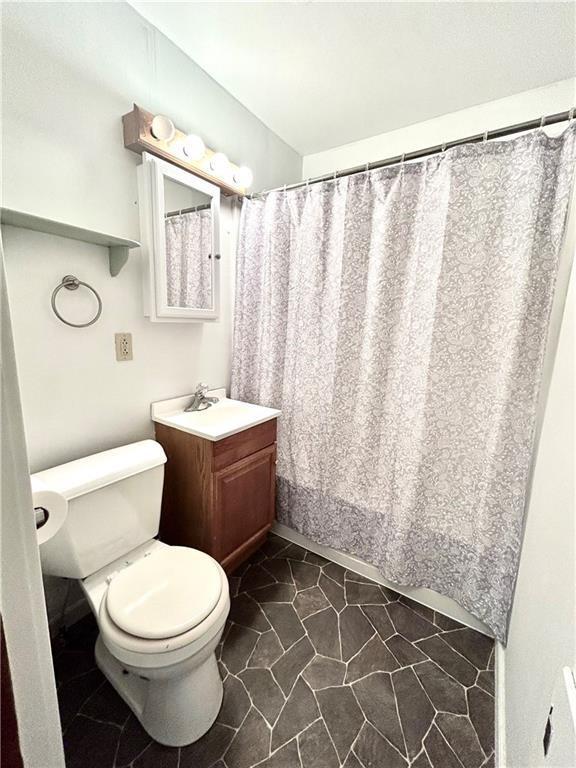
<point>72,283</point>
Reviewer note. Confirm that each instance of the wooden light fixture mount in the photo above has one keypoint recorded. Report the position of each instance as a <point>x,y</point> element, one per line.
<point>138,137</point>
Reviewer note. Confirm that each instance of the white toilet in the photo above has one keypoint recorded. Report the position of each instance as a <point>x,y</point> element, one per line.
<point>161,609</point>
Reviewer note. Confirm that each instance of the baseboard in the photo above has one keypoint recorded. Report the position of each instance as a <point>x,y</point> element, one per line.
<point>420,595</point>
<point>500,703</point>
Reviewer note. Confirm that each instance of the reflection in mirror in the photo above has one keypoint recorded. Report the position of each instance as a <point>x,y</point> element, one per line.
<point>188,232</point>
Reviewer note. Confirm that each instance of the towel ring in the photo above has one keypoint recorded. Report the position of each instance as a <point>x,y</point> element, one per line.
<point>72,283</point>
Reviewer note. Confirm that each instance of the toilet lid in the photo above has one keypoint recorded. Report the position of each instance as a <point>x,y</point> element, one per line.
<point>165,593</point>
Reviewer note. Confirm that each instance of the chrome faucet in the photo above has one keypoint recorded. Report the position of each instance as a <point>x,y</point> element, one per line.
<point>199,400</point>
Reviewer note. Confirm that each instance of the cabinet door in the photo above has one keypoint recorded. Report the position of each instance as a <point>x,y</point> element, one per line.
<point>243,504</point>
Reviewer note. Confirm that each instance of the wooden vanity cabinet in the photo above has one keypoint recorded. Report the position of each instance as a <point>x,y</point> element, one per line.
<point>219,496</point>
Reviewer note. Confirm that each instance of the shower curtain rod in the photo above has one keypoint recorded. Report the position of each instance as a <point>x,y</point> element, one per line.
<point>497,133</point>
<point>193,209</point>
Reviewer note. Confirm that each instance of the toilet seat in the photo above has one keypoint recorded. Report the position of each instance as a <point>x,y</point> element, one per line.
<point>164,594</point>
<point>159,652</point>
<point>155,654</point>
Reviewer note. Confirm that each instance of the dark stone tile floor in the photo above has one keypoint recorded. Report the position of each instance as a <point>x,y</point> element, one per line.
<point>322,668</point>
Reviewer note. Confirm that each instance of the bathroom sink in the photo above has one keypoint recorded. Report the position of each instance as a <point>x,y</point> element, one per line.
<point>222,419</point>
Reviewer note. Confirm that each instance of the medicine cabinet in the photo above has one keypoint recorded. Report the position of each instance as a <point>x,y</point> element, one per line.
<point>179,222</point>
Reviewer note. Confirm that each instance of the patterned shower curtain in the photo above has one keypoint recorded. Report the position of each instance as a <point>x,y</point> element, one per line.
<point>188,263</point>
<point>399,320</point>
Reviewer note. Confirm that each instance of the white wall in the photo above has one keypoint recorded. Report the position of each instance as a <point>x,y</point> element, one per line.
<point>542,631</point>
<point>495,114</point>
<point>77,399</point>
<point>71,70</point>
<point>542,636</point>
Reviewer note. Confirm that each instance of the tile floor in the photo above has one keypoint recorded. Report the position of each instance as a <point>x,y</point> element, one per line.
<point>322,668</point>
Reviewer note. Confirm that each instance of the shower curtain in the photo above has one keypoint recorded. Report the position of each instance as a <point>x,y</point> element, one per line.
<point>188,264</point>
<point>399,319</point>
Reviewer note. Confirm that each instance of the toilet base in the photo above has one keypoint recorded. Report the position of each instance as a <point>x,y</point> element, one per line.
<point>175,705</point>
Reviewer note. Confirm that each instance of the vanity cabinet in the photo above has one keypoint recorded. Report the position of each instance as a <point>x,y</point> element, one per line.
<point>219,495</point>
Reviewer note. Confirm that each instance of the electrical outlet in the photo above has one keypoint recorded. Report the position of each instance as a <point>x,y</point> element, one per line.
<point>123,342</point>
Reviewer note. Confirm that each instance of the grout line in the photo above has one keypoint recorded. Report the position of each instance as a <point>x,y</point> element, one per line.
<point>77,677</point>
<point>359,651</point>
<point>139,753</point>
<point>449,746</point>
<point>326,608</point>
<point>355,741</point>
<point>432,725</point>
<point>445,671</point>
<point>255,706</point>
<point>434,707</point>
<point>326,724</point>
<point>97,720</point>
<point>444,632</point>
<point>400,719</point>
<point>119,740</point>
<point>426,753</point>
<point>338,611</point>
<point>298,751</point>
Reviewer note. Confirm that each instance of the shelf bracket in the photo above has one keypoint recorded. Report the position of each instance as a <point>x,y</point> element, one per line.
<point>118,247</point>
<point>118,257</point>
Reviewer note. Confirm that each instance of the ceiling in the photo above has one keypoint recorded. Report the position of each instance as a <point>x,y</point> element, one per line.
<point>322,74</point>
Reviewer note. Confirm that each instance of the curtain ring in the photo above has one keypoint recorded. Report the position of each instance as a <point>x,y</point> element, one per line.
<point>367,168</point>
<point>334,176</point>
<point>402,158</point>
<point>571,114</point>
<point>542,121</point>
<point>444,147</point>
<point>485,137</point>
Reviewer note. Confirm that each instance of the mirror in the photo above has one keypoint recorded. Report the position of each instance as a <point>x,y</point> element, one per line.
<point>188,237</point>
<point>179,216</point>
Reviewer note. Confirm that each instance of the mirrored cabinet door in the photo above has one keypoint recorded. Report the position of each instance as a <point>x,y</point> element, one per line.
<point>179,216</point>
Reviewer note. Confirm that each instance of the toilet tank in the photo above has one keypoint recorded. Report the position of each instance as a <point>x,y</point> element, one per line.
<point>109,503</point>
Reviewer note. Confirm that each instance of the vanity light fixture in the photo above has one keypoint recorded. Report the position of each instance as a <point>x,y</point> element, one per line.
<point>219,163</point>
<point>194,148</point>
<point>162,128</point>
<point>156,134</point>
<point>244,176</point>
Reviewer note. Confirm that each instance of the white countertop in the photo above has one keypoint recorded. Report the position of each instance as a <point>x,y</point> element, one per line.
<point>224,418</point>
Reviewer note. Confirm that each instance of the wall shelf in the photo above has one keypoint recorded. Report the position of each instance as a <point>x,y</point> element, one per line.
<point>118,247</point>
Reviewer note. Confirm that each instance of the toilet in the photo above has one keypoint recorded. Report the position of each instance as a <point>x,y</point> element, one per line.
<point>160,609</point>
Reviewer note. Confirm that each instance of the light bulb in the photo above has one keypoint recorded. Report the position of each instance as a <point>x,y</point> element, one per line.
<point>194,148</point>
<point>243,177</point>
<point>162,128</point>
<point>219,163</point>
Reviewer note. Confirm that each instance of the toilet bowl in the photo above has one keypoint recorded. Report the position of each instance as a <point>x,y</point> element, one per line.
<point>160,609</point>
<point>174,601</point>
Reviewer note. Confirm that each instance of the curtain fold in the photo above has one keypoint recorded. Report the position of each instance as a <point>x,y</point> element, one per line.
<point>188,264</point>
<point>398,318</point>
